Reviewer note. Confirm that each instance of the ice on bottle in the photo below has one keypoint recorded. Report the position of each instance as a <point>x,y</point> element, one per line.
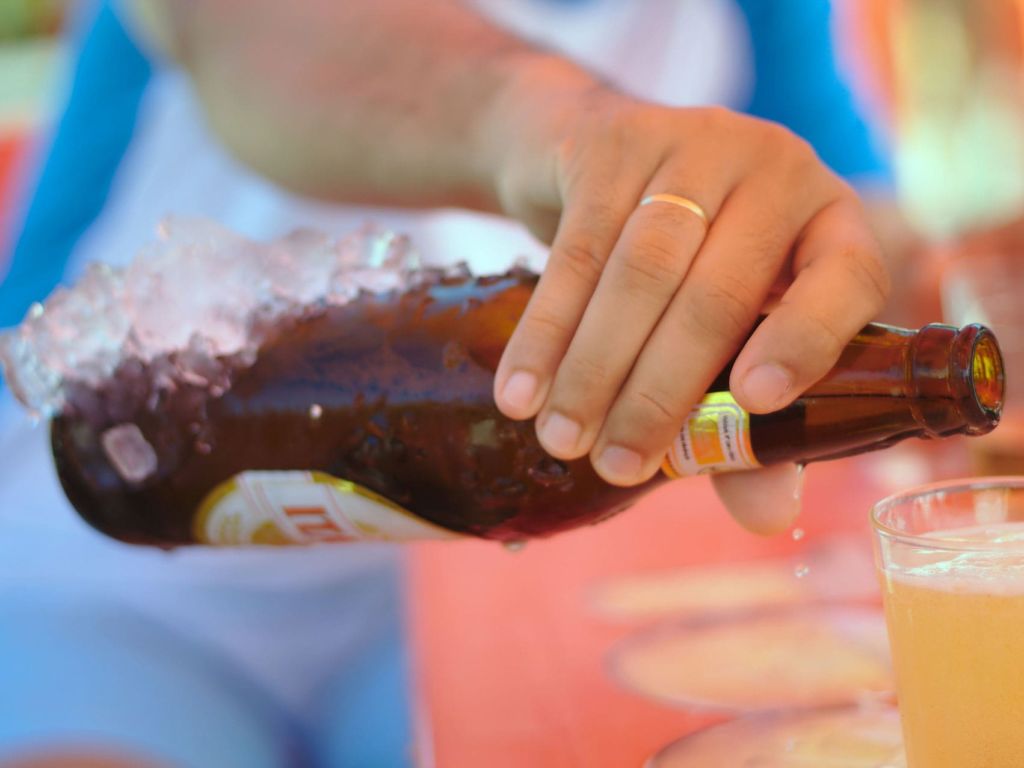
<point>193,307</point>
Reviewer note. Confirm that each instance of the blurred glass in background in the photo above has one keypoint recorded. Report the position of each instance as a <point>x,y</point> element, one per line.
<point>22,19</point>
<point>32,59</point>
<point>957,118</point>
<point>944,80</point>
<point>958,111</point>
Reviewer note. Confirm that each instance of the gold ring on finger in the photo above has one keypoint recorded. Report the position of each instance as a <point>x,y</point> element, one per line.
<point>682,202</point>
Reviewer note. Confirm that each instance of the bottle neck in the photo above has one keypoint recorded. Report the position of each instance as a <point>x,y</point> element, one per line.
<point>890,384</point>
<point>955,379</point>
<point>950,378</point>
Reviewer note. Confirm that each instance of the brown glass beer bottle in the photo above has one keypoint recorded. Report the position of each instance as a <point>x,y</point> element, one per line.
<point>375,420</point>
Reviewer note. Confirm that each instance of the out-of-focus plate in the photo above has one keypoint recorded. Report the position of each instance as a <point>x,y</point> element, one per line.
<point>843,738</point>
<point>795,659</point>
<point>840,570</point>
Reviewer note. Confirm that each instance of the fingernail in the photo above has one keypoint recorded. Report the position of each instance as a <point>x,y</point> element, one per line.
<point>766,385</point>
<point>519,391</point>
<point>619,465</point>
<point>560,434</point>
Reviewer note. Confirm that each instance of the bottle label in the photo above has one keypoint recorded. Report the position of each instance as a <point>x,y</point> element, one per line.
<point>300,508</point>
<point>715,438</point>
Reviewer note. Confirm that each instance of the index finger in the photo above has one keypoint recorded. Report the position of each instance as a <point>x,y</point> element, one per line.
<point>596,211</point>
<point>840,285</point>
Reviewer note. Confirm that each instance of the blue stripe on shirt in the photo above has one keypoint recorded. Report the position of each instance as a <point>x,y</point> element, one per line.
<point>798,84</point>
<point>92,135</point>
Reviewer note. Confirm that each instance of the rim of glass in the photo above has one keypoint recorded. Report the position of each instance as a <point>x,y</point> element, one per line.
<point>1004,482</point>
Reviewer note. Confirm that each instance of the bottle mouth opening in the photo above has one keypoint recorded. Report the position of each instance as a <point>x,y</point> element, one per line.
<point>987,372</point>
<point>987,377</point>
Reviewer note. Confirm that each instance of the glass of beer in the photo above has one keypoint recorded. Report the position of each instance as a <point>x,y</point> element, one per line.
<point>989,288</point>
<point>951,561</point>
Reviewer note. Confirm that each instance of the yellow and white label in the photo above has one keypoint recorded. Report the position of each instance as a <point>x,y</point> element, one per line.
<point>301,508</point>
<point>715,438</point>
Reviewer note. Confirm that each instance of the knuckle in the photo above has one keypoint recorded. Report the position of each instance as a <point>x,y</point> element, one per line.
<point>790,152</point>
<point>765,249</point>
<point>584,374</point>
<point>724,310</point>
<point>582,258</point>
<point>717,118</point>
<point>801,153</point>
<point>601,212</point>
<point>799,167</point>
<point>542,333</point>
<point>651,407</point>
<point>807,171</point>
<point>869,272</point>
<point>655,265</point>
<point>644,419</point>
<point>830,340</point>
<point>544,322</point>
<point>781,141</point>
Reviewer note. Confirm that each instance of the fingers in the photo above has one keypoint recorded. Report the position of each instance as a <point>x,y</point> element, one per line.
<point>640,308</point>
<point>608,170</point>
<point>704,325</point>
<point>840,285</point>
<point>600,201</point>
<point>643,273</point>
<point>764,501</point>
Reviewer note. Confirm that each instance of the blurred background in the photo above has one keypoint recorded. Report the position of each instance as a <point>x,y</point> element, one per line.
<point>939,83</point>
<point>938,80</point>
<point>33,74</point>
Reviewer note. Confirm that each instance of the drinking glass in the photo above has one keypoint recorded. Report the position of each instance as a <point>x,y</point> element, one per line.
<point>951,561</point>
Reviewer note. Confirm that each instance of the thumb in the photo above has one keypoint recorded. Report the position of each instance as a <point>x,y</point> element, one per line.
<point>764,501</point>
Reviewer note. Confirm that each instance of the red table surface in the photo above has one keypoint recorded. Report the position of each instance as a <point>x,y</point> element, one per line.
<point>511,661</point>
<point>12,148</point>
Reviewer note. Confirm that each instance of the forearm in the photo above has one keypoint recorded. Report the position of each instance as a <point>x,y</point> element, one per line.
<point>358,100</point>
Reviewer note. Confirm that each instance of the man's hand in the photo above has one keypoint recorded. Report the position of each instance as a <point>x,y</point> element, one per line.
<point>640,306</point>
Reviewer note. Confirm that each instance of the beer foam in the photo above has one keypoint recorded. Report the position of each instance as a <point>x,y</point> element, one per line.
<point>198,300</point>
<point>995,571</point>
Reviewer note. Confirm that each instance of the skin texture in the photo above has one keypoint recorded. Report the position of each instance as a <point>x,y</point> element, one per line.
<point>411,103</point>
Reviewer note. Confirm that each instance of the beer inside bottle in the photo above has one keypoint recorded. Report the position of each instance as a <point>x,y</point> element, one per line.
<point>375,420</point>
